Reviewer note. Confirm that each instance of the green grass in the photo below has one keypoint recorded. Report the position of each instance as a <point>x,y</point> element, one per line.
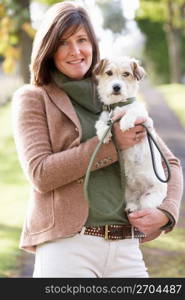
<point>174,96</point>
<point>165,256</point>
<point>172,241</point>
<point>13,197</point>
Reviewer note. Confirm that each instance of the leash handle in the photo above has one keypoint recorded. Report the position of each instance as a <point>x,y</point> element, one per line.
<point>150,140</point>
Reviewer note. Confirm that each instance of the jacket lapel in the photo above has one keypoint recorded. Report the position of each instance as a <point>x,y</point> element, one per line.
<point>63,102</point>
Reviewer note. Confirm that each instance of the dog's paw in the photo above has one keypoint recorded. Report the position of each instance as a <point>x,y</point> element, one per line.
<point>149,123</point>
<point>126,123</point>
<point>101,133</point>
<point>149,200</point>
<point>148,204</point>
<point>131,207</point>
<point>107,138</point>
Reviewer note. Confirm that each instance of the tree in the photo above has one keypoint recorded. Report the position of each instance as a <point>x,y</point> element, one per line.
<point>16,35</point>
<point>172,14</point>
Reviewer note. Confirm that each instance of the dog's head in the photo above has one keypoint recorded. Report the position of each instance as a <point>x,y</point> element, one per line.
<point>118,78</point>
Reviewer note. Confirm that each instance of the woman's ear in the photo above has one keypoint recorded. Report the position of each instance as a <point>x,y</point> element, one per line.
<point>137,70</point>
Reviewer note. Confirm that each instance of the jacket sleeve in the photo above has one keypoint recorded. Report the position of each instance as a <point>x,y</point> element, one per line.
<point>44,169</point>
<point>171,203</point>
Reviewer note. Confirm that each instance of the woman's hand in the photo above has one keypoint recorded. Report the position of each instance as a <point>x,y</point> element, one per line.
<point>148,221</point>
<point>128,138</point>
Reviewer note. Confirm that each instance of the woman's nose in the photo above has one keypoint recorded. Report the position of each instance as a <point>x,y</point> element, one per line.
<point>74,49</point>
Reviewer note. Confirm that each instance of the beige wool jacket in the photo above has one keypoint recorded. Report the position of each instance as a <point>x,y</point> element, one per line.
<point>47,135</point>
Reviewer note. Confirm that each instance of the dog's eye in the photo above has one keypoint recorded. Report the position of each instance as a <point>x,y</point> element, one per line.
<point>109,73</point>
<point>126,74</point>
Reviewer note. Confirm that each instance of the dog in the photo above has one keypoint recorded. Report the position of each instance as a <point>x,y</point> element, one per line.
<point>118,81</point>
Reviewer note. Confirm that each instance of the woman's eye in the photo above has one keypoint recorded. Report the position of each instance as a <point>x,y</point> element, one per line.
<point>82,40</point>
<point>126,74</point>
<point>109,73</point>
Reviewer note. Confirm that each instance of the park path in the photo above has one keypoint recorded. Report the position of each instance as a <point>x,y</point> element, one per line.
<point>168,127</point>
<point>165,121</point>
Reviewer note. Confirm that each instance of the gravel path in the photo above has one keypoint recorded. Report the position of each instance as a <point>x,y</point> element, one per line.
<point>166,123</point>
<point>168,127</point>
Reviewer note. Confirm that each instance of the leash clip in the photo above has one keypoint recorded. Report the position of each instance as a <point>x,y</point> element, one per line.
<point>110,122</point>
<point>110,114</point>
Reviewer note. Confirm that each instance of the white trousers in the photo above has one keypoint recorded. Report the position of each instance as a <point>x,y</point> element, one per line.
<point>89,256</point>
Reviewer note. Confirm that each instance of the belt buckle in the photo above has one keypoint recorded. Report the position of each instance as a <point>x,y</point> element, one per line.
<point>106,236</point>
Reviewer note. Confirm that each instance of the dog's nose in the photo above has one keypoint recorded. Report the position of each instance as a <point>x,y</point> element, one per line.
<point>116,88</point>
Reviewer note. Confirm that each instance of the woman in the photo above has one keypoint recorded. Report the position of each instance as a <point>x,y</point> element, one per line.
<point>53,121</point>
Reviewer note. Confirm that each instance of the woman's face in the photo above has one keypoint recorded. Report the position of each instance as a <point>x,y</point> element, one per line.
<point>74,55</point>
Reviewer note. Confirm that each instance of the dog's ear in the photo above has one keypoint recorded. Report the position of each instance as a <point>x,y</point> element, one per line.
<point>99,68</point>
<point>138,71</point>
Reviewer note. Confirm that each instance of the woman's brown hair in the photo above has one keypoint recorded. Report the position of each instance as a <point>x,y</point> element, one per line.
<point>60,18</point>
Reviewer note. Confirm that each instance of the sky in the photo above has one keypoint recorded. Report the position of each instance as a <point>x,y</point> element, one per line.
<point>129,7</point>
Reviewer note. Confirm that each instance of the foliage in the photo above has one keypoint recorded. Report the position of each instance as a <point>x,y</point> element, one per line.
<point>155,51</point>
<point>162,21</point>
<point>112,14</point>
<point>167,11</point>
<point>14,17</point>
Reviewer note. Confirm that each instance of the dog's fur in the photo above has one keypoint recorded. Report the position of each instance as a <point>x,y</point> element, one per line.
<point>117,80</point>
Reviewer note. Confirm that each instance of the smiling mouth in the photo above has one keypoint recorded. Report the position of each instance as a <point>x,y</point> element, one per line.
<point>75,62</point>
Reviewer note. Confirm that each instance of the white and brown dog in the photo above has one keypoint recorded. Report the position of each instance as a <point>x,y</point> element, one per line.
<point>118,82</point>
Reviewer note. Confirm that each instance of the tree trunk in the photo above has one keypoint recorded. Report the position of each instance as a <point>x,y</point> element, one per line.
<point>26,47</point>
<point>174,39</point>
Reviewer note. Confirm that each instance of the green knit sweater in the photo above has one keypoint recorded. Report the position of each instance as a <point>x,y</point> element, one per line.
<point>105,189</point>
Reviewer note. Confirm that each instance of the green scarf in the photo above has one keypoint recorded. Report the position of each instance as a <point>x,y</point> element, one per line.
<point>82,92</point>
<point>83,95</point>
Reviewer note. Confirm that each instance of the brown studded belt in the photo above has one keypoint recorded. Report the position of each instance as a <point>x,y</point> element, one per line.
<point>114,232</point>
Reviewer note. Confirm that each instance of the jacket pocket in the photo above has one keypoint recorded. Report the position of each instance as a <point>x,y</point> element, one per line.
<point>40,215</point>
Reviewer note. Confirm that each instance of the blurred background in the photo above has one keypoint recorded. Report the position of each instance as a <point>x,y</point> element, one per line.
<point>151,31</point>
